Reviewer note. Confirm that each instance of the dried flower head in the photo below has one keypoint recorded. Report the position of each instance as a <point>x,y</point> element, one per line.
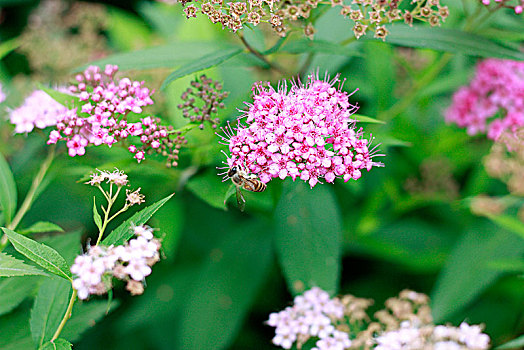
<point>305,133</point>
<point>134,197</point>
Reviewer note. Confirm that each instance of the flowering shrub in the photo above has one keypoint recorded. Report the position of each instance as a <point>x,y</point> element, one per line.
<point>305,132</point>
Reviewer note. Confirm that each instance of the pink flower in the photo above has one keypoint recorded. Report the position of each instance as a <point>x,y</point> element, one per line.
<point>497,89</point>
<point>305,132</point>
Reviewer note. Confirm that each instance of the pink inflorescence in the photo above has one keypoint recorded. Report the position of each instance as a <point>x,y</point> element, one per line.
<point>507,4</point>
<point>496,91</point>
<point>39,110</point>
<point>305,132</point>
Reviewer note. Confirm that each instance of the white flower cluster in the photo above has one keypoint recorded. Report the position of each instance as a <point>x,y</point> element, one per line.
<point>313,314</point>
<point>411,337</point>
<point>116,177</point>
<point>130,262</point>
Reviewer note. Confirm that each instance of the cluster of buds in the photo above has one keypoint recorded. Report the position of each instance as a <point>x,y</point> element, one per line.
<point>495,91</point>
<point>374,14</point>
<point>305,132</point>
<point>515,5</point>
<point>130,262</point>
<point>342,323</point>
<point>366,14</point>
<point>202,101</point>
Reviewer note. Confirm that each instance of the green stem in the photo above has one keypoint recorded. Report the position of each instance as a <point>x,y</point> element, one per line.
<point>251,49</point>
<point>110,202</point>
<point>30,196</point>
<point>66,317</point>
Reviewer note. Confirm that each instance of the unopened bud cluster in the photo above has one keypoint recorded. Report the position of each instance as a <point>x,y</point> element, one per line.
<point>130,262</point>
<point>343,323</point>
<point>282,15</point>
<point>202,101</point>
<point>515,5</point>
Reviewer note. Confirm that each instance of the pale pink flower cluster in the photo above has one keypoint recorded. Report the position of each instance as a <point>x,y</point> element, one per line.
<point>411,337</point>
<point>312,315</point>
<point>496,91</point>
<point>130,262</point>
<point>305,132</point>
<point>103,116</point>
<point>38,110</point>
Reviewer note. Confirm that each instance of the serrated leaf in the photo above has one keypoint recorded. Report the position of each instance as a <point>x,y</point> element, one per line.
<point>123,232</point>
<point>207,61</point>
<point>96,216</point>
<point>64,99</point>
<point>513,344</point>
<point>10,267</point>
<point>58,344</point>
<point>49,309</point>
<point>308,238</point>
<point>84,316</point>
<point>450,40</point>
<point>15,290</point>
<point>41,226</point>
<point>41,254</point>
<point>467,273</point>
<point>8,193</point>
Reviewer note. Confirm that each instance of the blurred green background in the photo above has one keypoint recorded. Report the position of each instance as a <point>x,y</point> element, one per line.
<point>407,225</point>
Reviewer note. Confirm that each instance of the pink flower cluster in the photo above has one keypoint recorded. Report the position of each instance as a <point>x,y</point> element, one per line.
<point>38,110</point>
<point>496,91</point>
<point>130,262</point>
<point>311,315</point>
<point>503,3</point>
<point>305,132</point>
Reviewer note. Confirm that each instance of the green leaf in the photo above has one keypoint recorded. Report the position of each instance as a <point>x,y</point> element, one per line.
<point>467,273</point>
<point>96,216</point>
<point>308,237</point>
<point>58,344</point>
<point>230,192</point>
<point>64,99</point>
<point>509,223</point>
<point>41,254</point>
<point>15,332</point>
<point>207,61</point>
<point>84,316</point>
<point>225,288</point>
<point>366,119</point>
<point>320,46</point>
<point>8,194</point>
<point>513,344</point>
<point>450,40</point>
<point>67,245</point>
<point>7,46</point>
<point>15,290</point>
<point>123,232</point>
<point>41,226</point>
<point>49,309</point>
<point>10,267</point>
<point>209,187</point>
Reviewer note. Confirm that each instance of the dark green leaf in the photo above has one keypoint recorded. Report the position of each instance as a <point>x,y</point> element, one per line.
<point>225,289</point>
<point>15,290</point>
<point>514,344</point>
<point>308,237</point>
<point>84,316</point>
<point>123,232</point>
<point>49,309</point>
<point>15,332</point>
<point>208,187</point>
<point>509,223</point>
<point>58,344</point>
<point>8,194</point>
<point>450,40</point>
<point>201,63</point>
<point>230,191</point>
<point>467,272</point>
<point>10,267</point>
<point>96,216</point>
<point>41,254</point>
<point>41,226</point>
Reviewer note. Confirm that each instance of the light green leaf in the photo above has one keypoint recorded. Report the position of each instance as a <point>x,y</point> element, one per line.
<point>8,193</point>
<point>467,273</point>
<point>514,344</point>
<point>509,223</point>
<point>320,46</point>
<point>41,226</point>
<point>450,40</point>
<point>225,289</point>
<point>365,119</point>
<point>7,46</point>
<point>123,232</point>
<point>96,216</point>
<point>201,63</point>
<point>49,309</point>
<point>15,290</point>
<point>308,237</point>
<point>10,267</point>
<point>58,344</point>
<point>84,316</point>
<point>41,254</point>
<point>64,99</point>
